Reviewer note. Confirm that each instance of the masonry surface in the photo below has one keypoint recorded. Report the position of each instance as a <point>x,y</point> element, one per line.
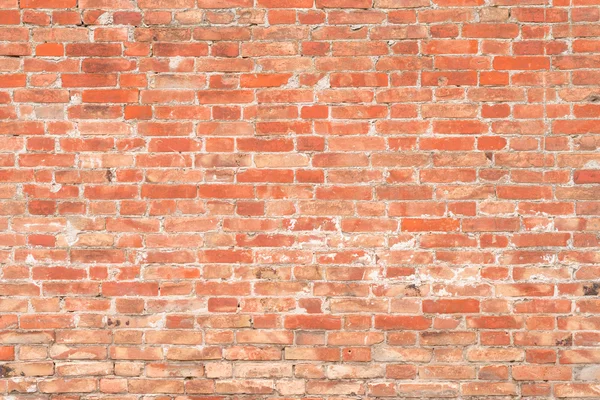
<point>325,199</point>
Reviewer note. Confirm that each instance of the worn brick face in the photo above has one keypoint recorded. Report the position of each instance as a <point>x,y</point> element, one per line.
<point>325,199</point>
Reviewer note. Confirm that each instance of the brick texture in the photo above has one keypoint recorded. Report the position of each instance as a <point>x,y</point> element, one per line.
<point>324,199</point>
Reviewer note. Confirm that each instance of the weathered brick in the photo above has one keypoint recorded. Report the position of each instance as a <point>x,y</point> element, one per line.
<point>299,198</point>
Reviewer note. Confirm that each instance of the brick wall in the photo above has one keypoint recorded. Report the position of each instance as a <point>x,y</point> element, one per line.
<point>206,199</point>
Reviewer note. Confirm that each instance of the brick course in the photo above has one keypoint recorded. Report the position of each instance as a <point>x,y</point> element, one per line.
<point>244,199</point>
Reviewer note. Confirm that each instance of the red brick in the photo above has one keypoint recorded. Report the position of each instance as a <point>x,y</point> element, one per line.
<point>305,198</point>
